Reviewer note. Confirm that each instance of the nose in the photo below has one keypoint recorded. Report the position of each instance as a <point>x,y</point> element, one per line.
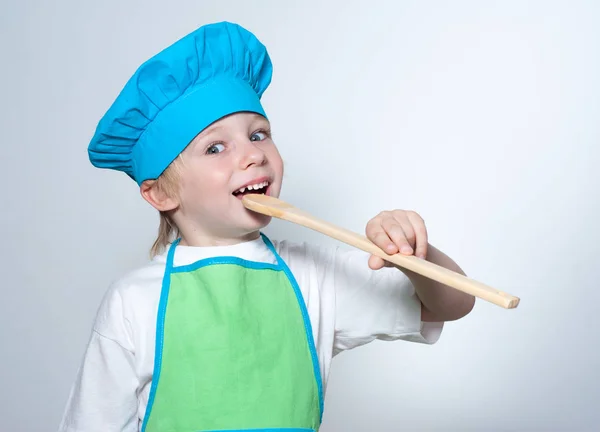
<point>251,154</point>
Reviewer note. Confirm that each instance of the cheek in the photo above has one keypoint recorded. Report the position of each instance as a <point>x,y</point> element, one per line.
<point>193,185</point>
<point>205,183</point>
<point>275,159</point>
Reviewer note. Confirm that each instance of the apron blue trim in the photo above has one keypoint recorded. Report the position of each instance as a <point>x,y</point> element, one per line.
<point>265,430</point>
<point>224,260</point>
<point>307,324</point>
<point>160,331</point>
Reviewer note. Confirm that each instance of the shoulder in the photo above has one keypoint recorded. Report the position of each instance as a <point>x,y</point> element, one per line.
<point>304,254</point>
<point>343,267</point>
<point>331,263</point>
<point>138,282</point>
<point>129,300</point>
<point>330,257</point>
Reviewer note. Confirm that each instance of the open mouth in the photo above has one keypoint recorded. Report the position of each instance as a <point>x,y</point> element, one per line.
<point>259,188</point>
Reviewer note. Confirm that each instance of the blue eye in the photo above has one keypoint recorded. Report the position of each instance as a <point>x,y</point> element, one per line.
<point>258,136</point>
<point>214,149</point>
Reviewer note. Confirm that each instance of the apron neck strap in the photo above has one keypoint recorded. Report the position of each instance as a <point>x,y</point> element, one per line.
<point>171,253</point>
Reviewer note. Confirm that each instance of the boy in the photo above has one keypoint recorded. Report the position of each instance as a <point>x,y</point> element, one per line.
<point>226,330</point>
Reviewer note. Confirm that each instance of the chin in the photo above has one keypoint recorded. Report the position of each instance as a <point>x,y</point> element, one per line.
<point>257,221</point>
<point>244,223</point>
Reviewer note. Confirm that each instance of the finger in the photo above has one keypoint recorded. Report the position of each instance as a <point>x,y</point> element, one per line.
<point>407,227</point>
<point>420,230</point>
<point>376,263</point>
<point>396,232</point>
<point>377,234</point>
<point>409,232</point>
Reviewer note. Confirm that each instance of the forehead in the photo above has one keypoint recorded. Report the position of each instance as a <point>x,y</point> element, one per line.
<point>235,121</point>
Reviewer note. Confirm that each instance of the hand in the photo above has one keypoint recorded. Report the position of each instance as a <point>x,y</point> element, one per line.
<point>397,231</point>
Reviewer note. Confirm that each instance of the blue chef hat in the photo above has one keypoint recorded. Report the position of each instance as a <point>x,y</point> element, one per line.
<point>217,70</point>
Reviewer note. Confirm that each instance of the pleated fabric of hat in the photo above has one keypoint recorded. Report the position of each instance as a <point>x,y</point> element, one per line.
<point>217,70</point>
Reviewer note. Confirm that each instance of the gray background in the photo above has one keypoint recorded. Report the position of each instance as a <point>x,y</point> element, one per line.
<point>481,116</point>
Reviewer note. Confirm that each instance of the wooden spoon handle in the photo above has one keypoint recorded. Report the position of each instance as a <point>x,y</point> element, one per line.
<point>274,207</point>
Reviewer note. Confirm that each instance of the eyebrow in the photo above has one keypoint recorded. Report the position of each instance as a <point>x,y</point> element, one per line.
<point>216,127</point>
<point>260,119</point>
<point>209,130</point>
<point>205,133</point>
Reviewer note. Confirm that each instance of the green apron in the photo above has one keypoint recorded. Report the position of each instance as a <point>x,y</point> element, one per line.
<point>234,350</point>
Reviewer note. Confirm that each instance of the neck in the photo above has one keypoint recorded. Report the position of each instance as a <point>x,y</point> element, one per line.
<point>198,239</point>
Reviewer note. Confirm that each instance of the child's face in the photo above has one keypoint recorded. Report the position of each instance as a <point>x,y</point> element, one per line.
<point>231,154</point>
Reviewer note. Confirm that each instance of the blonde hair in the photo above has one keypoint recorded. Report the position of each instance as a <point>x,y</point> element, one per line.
<point>167,182</point>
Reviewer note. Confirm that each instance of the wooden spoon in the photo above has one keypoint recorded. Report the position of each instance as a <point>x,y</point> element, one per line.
<point>275,207</point>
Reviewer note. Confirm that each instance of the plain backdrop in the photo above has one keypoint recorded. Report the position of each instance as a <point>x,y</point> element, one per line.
<point>482,116</point>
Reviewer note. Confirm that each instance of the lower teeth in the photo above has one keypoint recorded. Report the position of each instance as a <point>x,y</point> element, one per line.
<point>253,191</point>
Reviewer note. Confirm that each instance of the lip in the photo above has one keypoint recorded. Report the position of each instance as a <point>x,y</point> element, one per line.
<point>255,181</point>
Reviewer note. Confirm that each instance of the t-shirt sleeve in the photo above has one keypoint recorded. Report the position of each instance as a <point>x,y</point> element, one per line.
<point>103,397</point>
<point>375,304</point>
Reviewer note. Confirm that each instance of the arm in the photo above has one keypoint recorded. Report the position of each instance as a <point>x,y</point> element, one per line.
<point>440,302</point>
<point>104,395</point>
<point>404,232</point>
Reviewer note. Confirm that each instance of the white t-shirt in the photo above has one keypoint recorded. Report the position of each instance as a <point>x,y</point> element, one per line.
<point>348,304</point>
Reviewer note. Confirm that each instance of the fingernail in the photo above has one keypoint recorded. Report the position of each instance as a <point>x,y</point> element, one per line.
<point>406,249</point>
<point>390,247</point>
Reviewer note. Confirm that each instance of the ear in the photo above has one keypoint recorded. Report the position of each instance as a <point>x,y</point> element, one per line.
<point>157,198</point>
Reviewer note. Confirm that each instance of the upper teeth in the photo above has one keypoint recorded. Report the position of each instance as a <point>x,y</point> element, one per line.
<point>254,187</point>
